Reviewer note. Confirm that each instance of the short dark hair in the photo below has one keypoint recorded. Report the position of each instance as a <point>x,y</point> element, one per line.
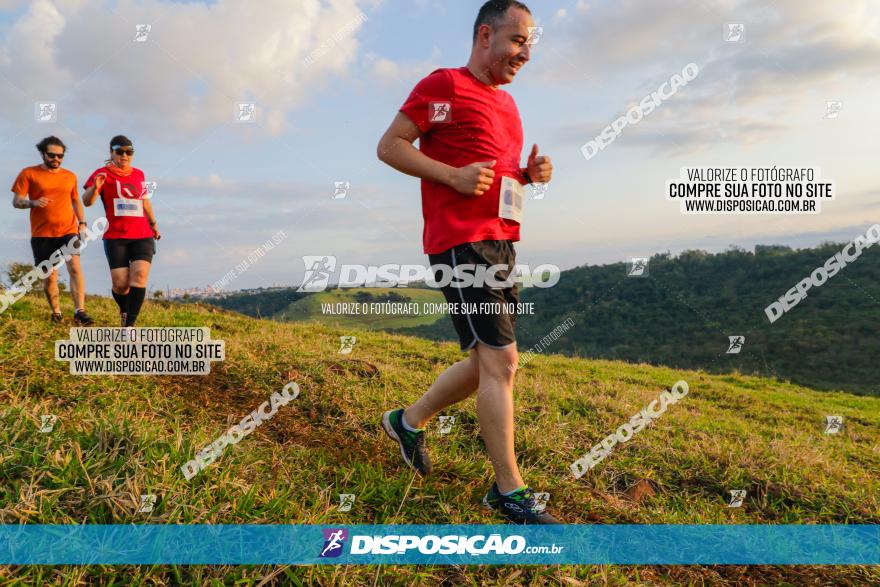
<point>43,145</point>
<point>493,11</point>
<point>121,140</point>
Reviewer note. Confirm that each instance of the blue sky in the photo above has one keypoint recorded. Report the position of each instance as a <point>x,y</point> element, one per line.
<point>227,187</point>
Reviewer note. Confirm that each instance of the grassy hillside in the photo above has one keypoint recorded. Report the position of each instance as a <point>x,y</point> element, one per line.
<point>311,307</point>
<point>120,437</point>
<point>257,303</point>
<point>682,314</point>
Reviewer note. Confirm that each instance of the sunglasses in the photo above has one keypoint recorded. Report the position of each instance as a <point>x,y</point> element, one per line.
<point>55,155</point>
<point>121,152</point>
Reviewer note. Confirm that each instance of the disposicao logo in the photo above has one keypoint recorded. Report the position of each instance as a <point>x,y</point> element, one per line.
<point>334,541</point>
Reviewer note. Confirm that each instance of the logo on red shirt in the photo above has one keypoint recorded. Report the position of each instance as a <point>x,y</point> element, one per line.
<point>440,112</point>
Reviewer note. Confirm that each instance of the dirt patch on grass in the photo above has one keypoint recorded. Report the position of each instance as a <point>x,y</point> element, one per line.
<point>356,367</point>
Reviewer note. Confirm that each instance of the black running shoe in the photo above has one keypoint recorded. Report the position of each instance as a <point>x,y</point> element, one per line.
<point>57,318</point>
<point>412,444</point>
<point>82,319</point>
<point>520,507</point>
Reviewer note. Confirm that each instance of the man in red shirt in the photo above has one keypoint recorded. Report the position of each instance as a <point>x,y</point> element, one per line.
<point>470,144</point>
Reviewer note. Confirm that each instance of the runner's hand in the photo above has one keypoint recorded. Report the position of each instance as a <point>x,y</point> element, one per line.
<point>99,182</point>
<point>540,169</point>
<point>474,179</point>
<point>156,234</point>
<point>40,203</point>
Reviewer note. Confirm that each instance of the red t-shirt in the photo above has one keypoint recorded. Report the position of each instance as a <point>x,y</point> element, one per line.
<point>123,198</point>
<point>465,121</point>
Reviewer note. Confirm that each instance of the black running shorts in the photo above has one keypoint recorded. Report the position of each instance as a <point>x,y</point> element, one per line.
<point>122,251</point>
<point>44,246</point>
<point>483,314</point>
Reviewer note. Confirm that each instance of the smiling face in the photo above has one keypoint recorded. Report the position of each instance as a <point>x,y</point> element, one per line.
<point>504,46</point>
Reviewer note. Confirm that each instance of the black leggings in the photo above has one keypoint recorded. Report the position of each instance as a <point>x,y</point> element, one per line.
<point>122,251</point>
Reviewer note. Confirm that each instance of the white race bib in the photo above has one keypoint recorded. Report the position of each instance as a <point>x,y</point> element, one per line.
<point>128,207</point>
<point>510,199</point>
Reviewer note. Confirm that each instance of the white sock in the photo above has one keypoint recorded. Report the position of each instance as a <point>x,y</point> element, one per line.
<point>407,426</point>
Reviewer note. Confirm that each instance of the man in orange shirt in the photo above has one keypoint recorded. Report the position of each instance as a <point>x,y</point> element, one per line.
<point>57,216</point>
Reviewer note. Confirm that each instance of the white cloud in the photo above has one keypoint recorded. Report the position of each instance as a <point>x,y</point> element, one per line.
<point>787,38</point>
<point>10,4</point>
<point>405,72</point>
<point>386,69</point>
<point>28,48</point>
<point>791,49</point>
<point>197,62</point>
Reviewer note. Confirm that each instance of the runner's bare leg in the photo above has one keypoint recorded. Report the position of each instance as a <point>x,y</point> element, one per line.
<point>495,412</point>
<point>77,289</point>
<point>50,288</point>
<point>140,273</point>
<point>456,383</point>
<point>119,277</point>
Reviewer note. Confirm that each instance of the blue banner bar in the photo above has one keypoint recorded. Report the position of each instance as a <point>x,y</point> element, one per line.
<point>440,544</point>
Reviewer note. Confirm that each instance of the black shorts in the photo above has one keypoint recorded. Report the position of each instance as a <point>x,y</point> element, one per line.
<point>122,251</point>
<point>486,318</point>
<point>44,246</point>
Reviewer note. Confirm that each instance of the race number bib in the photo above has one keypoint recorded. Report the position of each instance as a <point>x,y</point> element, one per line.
<point>127,207</point>
<point>510,199</point>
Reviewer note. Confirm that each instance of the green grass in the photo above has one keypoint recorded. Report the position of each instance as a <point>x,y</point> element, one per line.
<point>118,437</point>
<point>310,309</point>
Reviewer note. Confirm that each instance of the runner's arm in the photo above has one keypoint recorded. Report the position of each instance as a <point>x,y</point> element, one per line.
<point>90,195</point>
<point>21,193</point>
<point>21,201</point>
<point>397,150</point>
<point>151,218</point>
<point>148,209</point>
<point>78,207</point>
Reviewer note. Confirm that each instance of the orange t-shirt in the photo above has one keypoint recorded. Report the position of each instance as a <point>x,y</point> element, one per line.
<point>58,218</point>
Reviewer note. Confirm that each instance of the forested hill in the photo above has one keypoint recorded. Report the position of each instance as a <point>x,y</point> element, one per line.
<point>683,312</point>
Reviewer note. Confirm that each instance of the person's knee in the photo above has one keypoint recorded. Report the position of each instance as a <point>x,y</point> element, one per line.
<point>510,359</point>
<point>512,364</point>
<point>120,286</point>
<point>500,364</point>
<point>138,277</point>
